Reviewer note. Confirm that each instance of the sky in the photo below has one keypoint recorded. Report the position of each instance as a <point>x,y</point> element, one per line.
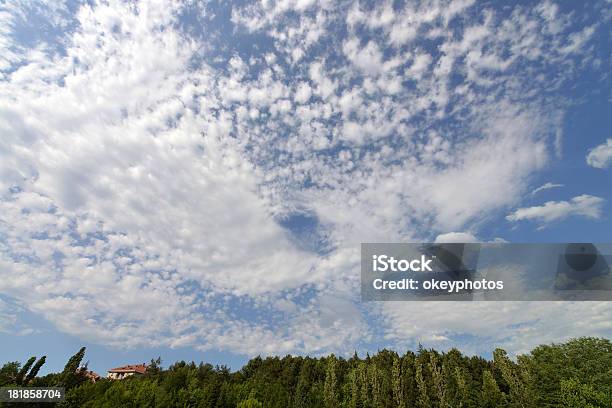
<point>193,180</point>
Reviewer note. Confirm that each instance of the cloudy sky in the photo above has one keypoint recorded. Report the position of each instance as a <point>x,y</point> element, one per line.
<point>193,180</point>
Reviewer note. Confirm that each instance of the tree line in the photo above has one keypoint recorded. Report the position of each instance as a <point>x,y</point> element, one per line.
<point>574,374</point>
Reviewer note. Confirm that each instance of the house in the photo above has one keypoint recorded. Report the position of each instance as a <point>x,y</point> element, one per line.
<point>120,373</point>
<point>91,375</point>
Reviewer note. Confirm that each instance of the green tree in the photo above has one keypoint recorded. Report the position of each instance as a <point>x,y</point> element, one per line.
<point>364,384</point>
<point>462,397</point>
<point>9,372</point>
<point>518,379</point>
<point>384,380</point>
<point>250,403</point>
<point>330,387</point>
<point>154,367</point>
<point>423,400</point>
<point>375,376</point>
<point>409,379</point>
<point>34,371</point>
<point>300,399</point>
<point>72,376</point>
<point>398,383</point>
<point>490,395</point>
<point>586,358</point>
<point>574,394</point>
<point>353,395</point>
<point>24,370</point>
<point>439,380</point>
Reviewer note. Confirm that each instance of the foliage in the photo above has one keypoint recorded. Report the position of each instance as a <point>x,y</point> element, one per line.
<point>574,394</point>
<point>574,374</point>
<point>9,373</point>
<point>24,370</point>
<point>34,371</point>
<point>72,375</point>
<point>12,373</point>
<point>588,359</point>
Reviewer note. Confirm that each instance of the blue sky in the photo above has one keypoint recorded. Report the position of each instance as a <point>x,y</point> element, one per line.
<point>193,181</point>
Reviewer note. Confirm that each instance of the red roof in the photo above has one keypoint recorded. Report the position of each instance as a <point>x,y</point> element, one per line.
<point>91,376</point>
<point>136,368</point>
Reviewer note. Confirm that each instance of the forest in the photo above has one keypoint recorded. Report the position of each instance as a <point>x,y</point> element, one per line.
<point>577,373</point>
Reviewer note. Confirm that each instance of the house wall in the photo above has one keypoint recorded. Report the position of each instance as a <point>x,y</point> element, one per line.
<point>121,376</point>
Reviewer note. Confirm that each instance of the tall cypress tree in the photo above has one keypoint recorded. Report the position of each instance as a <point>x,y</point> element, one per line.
<point>517,378</point>
<point>330,386</point>
<point>423,399</point>
<point>355,397</point>
<point>376,382</point>
<point>462,398</point>
<point>24,370</point>
<point>34,371</point>
<point>398,383</point>
<point>71,375</point>
<point>409,379</point>
<point>300,400</point>
<point>490,394</point>
<point>438,379</point>
<point>365,384</point>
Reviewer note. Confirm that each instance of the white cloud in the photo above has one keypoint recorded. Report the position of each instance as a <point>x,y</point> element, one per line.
<point>601,156</point>
<point>122,161</point>
<point>546,186</point>
<point>514,326</point>
<point>584,206</point>
<point>456,237</point>
<point>144,168</point>
<point>368,59</point>
<point>419,66</point>
<point>303,93</point>
<point>10,322</point>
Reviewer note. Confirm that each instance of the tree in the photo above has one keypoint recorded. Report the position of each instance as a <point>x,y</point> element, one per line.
<point>409,379</point>
<point>9,372</point>
<point>354,395</point>
<point>330,396</point>
<point>250,403</point>
<point>375,375</point>
<point>582,358</point>
<point>71,376</point>
<point>463,395</point>
<point>490,395</point>
<point>300,400</point>
<point>438,380</point>
<point>385,380</point>
<point>24,370</point>
<point>398,383</point>
<point>574,394</point>
<point>154,367</point>
<point>423,398</point>
<point>518,379</point>
<point>365,384</point>
<point>34,371</point>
